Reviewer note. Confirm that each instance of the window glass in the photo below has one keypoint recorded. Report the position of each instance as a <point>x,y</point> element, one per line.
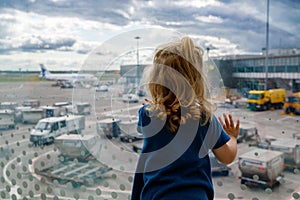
<point>58,55</point>
<point>55,126</point>
<point>63,124</point>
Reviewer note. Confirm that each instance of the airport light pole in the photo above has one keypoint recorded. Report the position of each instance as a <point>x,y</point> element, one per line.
<point>137,60</point>
<point>267,45</point>
<point>21,73</point>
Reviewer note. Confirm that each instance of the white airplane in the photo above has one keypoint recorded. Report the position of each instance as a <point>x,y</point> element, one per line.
<point>67,77</point>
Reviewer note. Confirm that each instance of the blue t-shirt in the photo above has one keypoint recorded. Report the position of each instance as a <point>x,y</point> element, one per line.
<point>176,166</point>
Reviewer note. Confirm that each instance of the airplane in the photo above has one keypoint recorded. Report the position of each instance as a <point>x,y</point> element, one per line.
<point>62,78</point>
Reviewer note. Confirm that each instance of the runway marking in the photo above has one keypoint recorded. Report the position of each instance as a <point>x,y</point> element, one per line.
<point>104,189</point>
<point>31,167</point>
<point>3,146</point>
<point>107,189</point>
<point>67,198</point>
<point>287,117</point>
<point>119,112</point>
<point>13,189</point>
<point>21,86</point>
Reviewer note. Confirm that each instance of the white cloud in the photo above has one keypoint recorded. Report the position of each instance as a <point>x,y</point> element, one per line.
<point>58,1</point>
<point>72,28</point>
<point>32,31</point>
<point>6,17</point>
<point>221,46</point>
<point>85,47</point>
<point>197,3</point>
<point>123,13</point>
<point>210,19</point>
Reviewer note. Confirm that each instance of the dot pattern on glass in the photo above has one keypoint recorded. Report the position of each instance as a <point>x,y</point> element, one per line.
<point>296,195</point>
<point>102,165</point>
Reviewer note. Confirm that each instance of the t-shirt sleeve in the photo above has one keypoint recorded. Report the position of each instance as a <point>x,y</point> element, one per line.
<point>144,119</point>
<point>215,137</point>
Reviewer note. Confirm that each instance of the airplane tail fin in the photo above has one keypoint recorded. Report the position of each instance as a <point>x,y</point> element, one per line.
<point>44,71</point>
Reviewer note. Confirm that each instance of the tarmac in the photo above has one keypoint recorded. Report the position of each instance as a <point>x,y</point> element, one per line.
<point>19,160</point>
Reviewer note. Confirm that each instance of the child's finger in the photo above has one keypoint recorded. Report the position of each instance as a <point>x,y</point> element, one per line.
<point>231,121</point>
<point>237,125</point>
<point>226,120</point>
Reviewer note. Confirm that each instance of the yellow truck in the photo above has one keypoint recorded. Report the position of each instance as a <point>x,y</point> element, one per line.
<point>292,104</point>
<point>266,99</point>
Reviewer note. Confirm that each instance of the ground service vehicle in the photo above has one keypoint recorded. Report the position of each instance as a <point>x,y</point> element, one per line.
<point>291,149</point>
<point>7,119</point>
<point>30,115</point>
<point>64,107</point>
<point>261,167</point>
<point>47,129</point>
<point>109,128</point>
<point>33,103</point>
<point>76,145</point>
<point>292,103</point>
<point>129,132</point>
<point>83,108</point>
<point>265,99</point>
<point>8,105</point>
<point>73,163</point>
<point>247,132</point>
<point>51,111</point>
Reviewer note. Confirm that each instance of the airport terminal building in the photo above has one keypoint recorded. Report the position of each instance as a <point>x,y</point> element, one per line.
<point>248,72</point>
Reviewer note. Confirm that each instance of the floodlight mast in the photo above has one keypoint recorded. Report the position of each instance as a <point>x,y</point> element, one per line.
<point>137,60</point>
<point>267,46</point>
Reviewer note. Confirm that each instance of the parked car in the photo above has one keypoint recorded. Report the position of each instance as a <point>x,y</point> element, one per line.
<point>131,137</point>
<point>137,146</point>
<point>67,84</point>
<point>130,98</point>
<point>141,92</point>
<point>102,88</point>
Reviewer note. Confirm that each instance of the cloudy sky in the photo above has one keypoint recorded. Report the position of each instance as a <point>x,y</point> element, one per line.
<point>62,34</point>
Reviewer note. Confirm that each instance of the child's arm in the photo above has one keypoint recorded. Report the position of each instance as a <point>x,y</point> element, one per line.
<point>226,153</point>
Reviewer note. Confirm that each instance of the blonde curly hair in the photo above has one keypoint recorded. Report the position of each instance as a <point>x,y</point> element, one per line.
<point>177,83</point>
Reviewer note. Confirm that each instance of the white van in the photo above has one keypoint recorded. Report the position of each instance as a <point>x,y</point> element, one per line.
<point>47,129</point>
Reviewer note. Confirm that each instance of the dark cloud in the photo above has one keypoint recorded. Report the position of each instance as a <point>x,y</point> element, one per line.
<point>87,9</point>
<point>48,43</point>
<point>241,22</point>
<point>38,43</point>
